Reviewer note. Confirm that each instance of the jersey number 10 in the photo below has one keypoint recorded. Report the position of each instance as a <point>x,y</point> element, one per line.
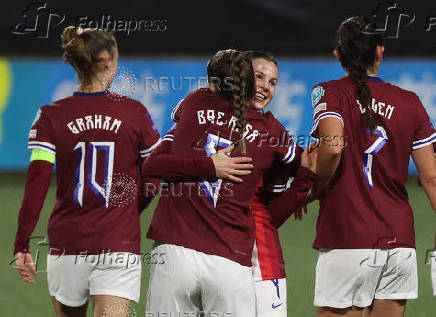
<point>102,192</point>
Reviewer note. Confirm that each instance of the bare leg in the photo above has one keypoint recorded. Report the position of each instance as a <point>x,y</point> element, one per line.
<point>110,306</point>
<point>339,312</point>
<point>67,311</point>
<point>387,307</point>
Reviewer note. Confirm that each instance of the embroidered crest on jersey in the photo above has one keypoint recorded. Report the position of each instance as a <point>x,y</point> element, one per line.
<point>212,189</point>
<point>317,94</point>
<point>320,107</point>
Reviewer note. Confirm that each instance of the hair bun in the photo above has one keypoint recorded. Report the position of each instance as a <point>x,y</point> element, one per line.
<point>69,34</point>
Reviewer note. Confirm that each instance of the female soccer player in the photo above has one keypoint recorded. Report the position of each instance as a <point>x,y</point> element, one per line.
<point>206,228</point>
<point>267,261</point>
<point>365,232</point>
<point>268,264</point>
<point>98,141</point>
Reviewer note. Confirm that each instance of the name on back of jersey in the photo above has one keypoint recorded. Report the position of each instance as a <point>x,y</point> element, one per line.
<point>216,117</point>
<point>379,107</point>
<point>96,121</point>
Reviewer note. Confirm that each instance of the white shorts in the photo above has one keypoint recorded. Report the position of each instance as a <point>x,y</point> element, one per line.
<point>271,298</point>
<point>188,282</point>
<point>355,277</point>
<point>433,272</point>
<point>73,278</point>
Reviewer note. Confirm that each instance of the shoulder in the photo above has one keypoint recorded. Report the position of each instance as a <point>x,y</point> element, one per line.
<point>333,84</point>
<point>133,106</point>
<point>126,101</point>
<point>398,91</point>
<point>196,96</point>
<point>331,88</point>
<point>272,122</point>
<point>191,102</point>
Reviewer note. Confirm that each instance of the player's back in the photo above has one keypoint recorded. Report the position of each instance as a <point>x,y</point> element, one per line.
<point>367,203</point>
<point>213,216</point>
<point>98,140</point>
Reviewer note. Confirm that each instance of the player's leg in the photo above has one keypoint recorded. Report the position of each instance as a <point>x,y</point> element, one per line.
<point>387,307</point>
<point>67,279</point>
<point>271,298</point>
<point>398,283</point>
<point>433,273</point>
<point>173,288</point>
<point>226,287</point>
<point>115,280</point>
<point>346,280</point>
<point>111,306</point>
<point>340,312</point>
<point>68,311</point>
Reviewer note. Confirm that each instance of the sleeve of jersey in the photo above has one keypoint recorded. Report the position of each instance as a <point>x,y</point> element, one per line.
<point>287,150</point>
<point>41,138</point>
<point>37,183</point>
<point>177,111</point>
<point>326,104</point>
<point>150,138</point>
<point>165,164</point>
<point>282,206</point>
<point>424,133</point>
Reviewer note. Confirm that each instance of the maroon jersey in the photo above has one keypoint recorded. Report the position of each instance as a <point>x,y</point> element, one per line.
<point>277,196</point>
<point>99,142</point>
<point>267,257</point>
<point>366,205</point>
<point>213,215</point>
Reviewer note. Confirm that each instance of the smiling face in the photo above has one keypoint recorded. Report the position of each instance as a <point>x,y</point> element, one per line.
<point>266,75</point>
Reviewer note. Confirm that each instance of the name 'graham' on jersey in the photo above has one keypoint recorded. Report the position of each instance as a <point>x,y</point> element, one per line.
<point>94,122</point>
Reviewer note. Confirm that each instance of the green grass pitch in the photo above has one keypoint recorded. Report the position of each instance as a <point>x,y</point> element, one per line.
<point>20,299</point>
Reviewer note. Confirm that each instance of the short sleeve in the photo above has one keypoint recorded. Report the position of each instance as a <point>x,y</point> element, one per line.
<point>41,134</point>
<point>169,136</point>
<point>424,133</point>
<point>286,150</point>
<point>326,104</point>
<point>177,111</point>
<point>150,138</point>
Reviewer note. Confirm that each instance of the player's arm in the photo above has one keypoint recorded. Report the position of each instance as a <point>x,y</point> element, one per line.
<point>423,151</point>
<point>282,206</point>
<point>37,183</point>
<point>164,163</point>
<point>330,130</point>
<point>425,162</point>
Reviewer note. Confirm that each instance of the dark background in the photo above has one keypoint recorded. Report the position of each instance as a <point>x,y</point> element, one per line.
<point>287,28</point>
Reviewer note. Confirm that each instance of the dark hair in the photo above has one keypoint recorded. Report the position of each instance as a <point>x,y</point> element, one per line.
<point>82,49</point>
<point>231,72</point>
<point>356,42</point>
<point>261,54</point>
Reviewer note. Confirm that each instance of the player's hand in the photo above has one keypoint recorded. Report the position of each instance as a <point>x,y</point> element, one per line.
<point>309,157</point>
<point>298,214</point>
<point>231,167</point>
<point>25,265</point>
